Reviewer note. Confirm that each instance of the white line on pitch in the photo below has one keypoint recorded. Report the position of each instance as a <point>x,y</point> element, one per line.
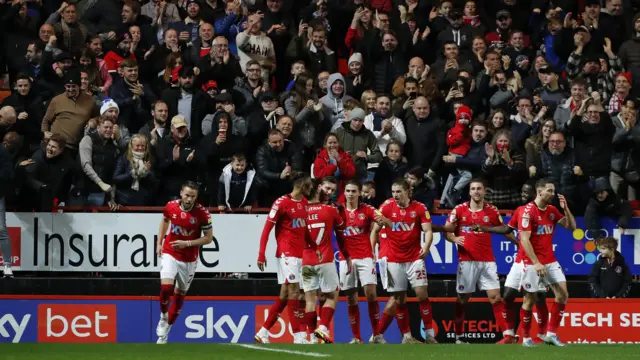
<point>294,352</point>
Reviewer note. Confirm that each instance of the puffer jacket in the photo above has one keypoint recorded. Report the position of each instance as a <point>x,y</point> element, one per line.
<point>362,140</point>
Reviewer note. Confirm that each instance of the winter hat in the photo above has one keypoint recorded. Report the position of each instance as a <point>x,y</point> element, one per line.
<point>626,75</point>
<point>357,113</point>
<point>463,110</point>
<point>107,104</point>
<point>356,57</point>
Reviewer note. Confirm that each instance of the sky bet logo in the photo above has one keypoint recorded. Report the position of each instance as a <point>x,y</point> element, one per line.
<point>76,323</point>
<point>400,226</point>
<point>298,223</point>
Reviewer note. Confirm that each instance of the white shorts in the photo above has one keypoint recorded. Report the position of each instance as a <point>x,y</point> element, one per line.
<point>182,272</point>
<point>362,270</point>
<point>321,276</point>
<point>524,277</point>
<point>384,272</point>
<point>414,273</point>
<point>289,270</point>
<point>472,274</point>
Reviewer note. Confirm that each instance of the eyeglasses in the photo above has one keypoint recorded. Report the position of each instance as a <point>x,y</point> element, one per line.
<point>556,141</point>
<point>254,70</point>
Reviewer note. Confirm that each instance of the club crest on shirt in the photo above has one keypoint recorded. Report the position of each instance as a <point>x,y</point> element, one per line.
<point>183,215</point>
<point>361,216</point>
<point>618,269</point>
<point>525,221</point>
<point>192,220</point>
<point>552,216</point>
<point>299,206</point>
<point>412,214</point>
<point>485,219</point>
<point>460,287</point>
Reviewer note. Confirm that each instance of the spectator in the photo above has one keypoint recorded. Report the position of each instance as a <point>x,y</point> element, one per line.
<point>157,127</point>
<point>98,156</point>
<point>361,142</point>
<point>161,13</point>
<point>237,189</point>
<point>224,102</point>
<point>605,203</point>
<point>188,101</point>
<point>29,107</point>
<point>109,109</point>
<point>503,169</point>
<point>231,24</point>
<point>6,179</point>
<point>216,150</point>
<point>563,112</point>
<point>199,47</point>
<point>313,50</point>
<point>68,113</point>
<point>253,44</point>
<point>99,78</point>
<point>384,125</point>
<point>497,121</point>
<point>333,102</point>
<point>556,161</point>
<point>459,142</point>
<point>391,168</point>
<point>334,161</point>
<point>369,196</point>
<point>114,58</point>
<point>133,176</point>
<point>71,34</point>
<point>175,164</point>
<point>534,145</point>
<point>50,174</point>
<point>133,97</point>
<point>356,83</point>
<point>251,86</point>
<point>425,137</point>
<point>610,276</point>
<point>622,92</point>
<point>624,143</point>
<point>188,28</point>
<point>423,189</point>
<point>276,162</point>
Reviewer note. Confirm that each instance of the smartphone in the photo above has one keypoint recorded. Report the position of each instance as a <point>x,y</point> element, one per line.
<point>413,95</point>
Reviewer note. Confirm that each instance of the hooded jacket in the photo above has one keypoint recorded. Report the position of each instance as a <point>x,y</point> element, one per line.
<point>459,137</point>
<point>362,140</point>
<point>229,186</point>
<point>612,206</point>
<point>333,105</point>
<point>214,157</point>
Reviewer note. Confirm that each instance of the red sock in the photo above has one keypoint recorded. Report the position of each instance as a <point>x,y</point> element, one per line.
<point>326,315</point>
<point>166,291</point>
<point>274,313</point>
<point>402,317</point>
<point>292,306</point>
<point>384,323</point>
<point>458,317</point>
<point>425,314</point>
<point>543,317</point>
<point>354,320</point>
<point>300,313</point>
<point>498,310</point>
<point>508,315</point>
<point>525,324</point>
<point>310,320</point>
<point>557,311</point>
<point>176,306</point>
<point>374,316</point>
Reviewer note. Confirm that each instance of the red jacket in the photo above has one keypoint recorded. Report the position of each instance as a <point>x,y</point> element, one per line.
<point>322,167</point>
<point>459,139</point>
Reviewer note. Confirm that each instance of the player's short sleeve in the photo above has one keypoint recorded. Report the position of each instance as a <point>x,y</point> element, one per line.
<point>385,208</point>
<point>204,217</point>
<point>423,214</point>
<point>166,213</point>
<point>513,221</point>
<point>276,210</point>
<point>495,217</point>
<point>453,216</point>
<point>557,215</point>
<point>525,219</point>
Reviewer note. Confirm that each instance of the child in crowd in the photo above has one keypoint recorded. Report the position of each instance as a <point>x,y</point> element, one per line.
<point>236,189</point>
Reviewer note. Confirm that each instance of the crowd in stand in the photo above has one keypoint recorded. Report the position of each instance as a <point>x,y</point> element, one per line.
<point>119,102</point>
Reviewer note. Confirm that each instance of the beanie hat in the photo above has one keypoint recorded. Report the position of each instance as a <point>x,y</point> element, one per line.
<point>356,57</point>
<point>463,110</point>
<point>626,75</point>
<point>357,113</point>
<point>107,104</point>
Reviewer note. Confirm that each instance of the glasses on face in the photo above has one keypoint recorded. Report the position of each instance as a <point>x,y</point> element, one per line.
<point>254,70</point>
<point>556,142</point>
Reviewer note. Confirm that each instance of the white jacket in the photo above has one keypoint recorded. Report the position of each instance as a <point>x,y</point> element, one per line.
<point>225,178</point>
<point>397,133</point>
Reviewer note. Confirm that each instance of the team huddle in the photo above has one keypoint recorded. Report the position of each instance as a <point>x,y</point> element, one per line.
<point>305,222</point>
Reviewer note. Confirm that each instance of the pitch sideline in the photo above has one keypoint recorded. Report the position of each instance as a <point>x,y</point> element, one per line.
<point>294,352</point>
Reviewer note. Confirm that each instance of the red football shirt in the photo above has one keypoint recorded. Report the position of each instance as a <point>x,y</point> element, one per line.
<point>321,221</point>
<point>290,217</point>
<point>357,230</point>
<point>185,225</point>
<point>403,238</point>
<point>542,224</point>
<point>477,246</point>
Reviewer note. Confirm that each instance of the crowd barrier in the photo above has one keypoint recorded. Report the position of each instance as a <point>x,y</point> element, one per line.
<point>133,319</point>
<point>126,242</point>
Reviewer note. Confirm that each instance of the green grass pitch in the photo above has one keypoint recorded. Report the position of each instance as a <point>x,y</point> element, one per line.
<point>201,351</point>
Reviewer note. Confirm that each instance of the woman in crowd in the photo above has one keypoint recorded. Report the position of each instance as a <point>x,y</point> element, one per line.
<point>133,177</point>
<point>504,170</point>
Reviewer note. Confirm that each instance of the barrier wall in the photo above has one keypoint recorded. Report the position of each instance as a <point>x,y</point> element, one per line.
<point>104,242</point>
<point>236,319</point>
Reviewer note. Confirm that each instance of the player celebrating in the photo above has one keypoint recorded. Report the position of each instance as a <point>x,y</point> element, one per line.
<point>359,219</point>
<point>322,275</point>
<point>477,266</point>
<point>179,252</point>
<point>404,219</point>
<point>289,216</point>
<point>535,264</point>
